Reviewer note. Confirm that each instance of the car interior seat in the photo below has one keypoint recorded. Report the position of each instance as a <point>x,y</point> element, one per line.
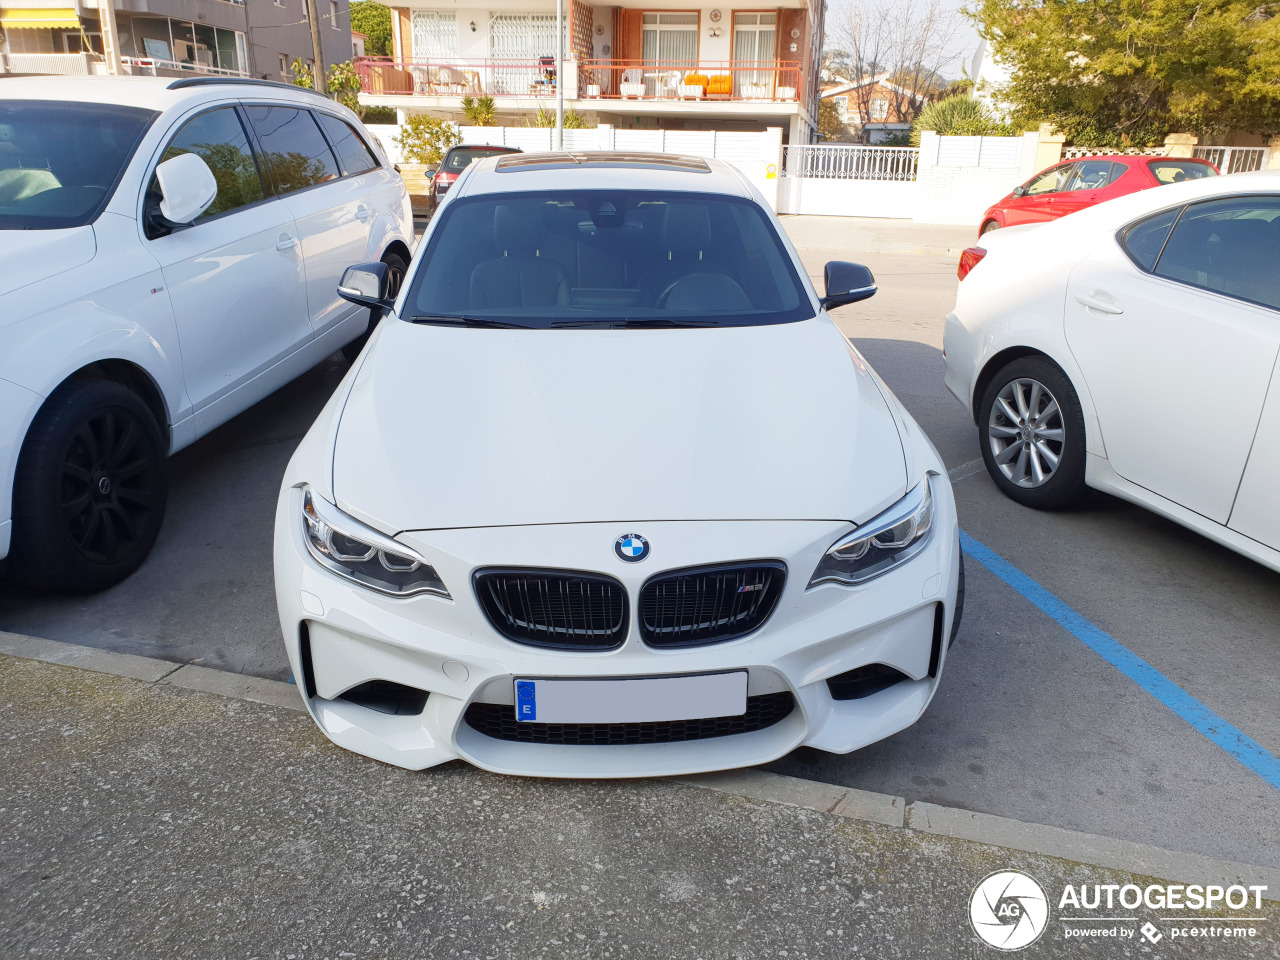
<point>518,275</point>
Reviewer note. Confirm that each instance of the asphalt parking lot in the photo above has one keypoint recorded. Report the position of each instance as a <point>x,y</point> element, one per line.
<point>1030,722</point>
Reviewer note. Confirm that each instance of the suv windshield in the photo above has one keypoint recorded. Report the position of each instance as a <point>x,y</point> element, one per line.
<point>612,257</point>
<point>460,158</point>
<point>59,162</point>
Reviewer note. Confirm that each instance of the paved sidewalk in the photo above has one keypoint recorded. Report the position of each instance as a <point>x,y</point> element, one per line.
<point>872,235</point>
<point>144,819</point>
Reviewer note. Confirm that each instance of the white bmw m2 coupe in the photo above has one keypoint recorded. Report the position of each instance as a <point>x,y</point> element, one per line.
<point>609,495</point>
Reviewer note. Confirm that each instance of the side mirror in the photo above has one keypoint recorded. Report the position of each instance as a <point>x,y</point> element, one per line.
<point>187,187</point>
<point>847,283</point>
<point>1019,191</point>
<point>368,284</point>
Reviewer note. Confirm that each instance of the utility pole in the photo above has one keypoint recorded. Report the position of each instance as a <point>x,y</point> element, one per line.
<point>559,74</point>
<point>110,37</point>
<point>317,50</point>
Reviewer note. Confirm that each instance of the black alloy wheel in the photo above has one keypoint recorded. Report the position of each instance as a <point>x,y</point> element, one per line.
<point>90,490</point>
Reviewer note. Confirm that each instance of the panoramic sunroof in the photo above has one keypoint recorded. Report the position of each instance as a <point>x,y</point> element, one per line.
<point>600,158</point>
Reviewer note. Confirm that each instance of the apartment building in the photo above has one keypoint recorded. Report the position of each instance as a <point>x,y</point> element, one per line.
<point>660,64</point>
<point>238,38</point>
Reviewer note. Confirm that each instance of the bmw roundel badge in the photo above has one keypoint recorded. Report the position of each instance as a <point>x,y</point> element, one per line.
<point>631,547</point>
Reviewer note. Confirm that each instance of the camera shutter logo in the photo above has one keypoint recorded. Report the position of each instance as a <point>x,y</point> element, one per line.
<point>1009,910</point>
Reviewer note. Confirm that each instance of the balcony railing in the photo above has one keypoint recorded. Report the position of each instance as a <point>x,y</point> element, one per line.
<point>712,80</point>
<point>458,78</point>
<point>158,67</point>
<point>587,79</point>
<point>63,64</point>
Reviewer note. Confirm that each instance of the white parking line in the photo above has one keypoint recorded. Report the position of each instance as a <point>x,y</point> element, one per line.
<point>965,470</point>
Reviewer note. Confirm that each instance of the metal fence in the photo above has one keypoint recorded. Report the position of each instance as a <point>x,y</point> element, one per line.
<point>837,161</point>
<point>1235,159</point>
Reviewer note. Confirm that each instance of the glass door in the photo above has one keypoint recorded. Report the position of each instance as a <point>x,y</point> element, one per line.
<point>755,36</point>
<point>519,41</point>
<point>670,51</point>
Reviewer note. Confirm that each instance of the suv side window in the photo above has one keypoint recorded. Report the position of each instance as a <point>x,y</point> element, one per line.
<point>1051,181</point>
<point>217,137</point>
<point>296,153</point>
<point>353,154</point>
<point>1229,246</point>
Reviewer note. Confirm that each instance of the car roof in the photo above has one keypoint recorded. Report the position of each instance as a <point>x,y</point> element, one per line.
<point>152,93</point>
<point>496,148</point>
<point>603,170</point>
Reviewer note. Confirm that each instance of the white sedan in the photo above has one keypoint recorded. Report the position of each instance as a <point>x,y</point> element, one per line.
<point>1133,347</point>
<point>610,495</point>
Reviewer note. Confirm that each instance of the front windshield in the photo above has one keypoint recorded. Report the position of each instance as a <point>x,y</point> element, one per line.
<point>609,257</point>
<point>461,157</point>
<point>59,162</point>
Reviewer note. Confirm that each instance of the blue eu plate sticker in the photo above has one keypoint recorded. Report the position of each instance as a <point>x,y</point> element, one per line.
<point>526,700</point>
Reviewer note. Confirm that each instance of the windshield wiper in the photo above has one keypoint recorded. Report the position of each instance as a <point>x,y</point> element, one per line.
<point>452,321</point>
<point>635,324</point>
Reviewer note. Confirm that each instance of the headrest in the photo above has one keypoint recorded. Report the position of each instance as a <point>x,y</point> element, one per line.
<point>686,228</point>
<point>515,232</point>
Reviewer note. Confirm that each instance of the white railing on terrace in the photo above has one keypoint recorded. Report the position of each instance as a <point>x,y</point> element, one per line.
<point>838,161</point>
<point>1235,159</point>
<point>63,64</point>
<point>148,67</point>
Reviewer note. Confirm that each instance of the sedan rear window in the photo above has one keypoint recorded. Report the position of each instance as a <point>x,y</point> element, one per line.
<point>462,157</point>
<point>60,162</point>
<point>1175,171</point>
<point>611,258</point>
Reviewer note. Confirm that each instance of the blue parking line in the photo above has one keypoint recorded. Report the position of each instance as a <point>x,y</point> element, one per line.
<point>1231,739</point>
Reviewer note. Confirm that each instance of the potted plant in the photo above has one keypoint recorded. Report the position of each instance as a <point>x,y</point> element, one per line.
<point>423,141</point>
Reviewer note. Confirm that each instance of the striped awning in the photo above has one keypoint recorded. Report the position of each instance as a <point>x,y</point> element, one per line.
<point>20,18</point>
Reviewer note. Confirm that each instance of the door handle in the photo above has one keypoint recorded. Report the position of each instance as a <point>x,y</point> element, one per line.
<point>286,242</point>
<point>363,212</point>
<point>1099,301</point>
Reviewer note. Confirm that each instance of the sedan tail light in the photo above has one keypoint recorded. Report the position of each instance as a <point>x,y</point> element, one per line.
<point>969,259</point>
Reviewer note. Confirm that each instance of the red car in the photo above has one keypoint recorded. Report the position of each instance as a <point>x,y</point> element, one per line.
<point>454,162</point>
<point>1075,184</point>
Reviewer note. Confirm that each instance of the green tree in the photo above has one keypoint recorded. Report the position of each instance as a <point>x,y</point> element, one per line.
<point>425,139</point>
<point>302,75</point>
<point>830,127</point>
<point>547,118</point>
<point>1126,72</point>
<point>478,111</point>
<point>958,116</point>
<point>374,21</point>
<point>344,85</point>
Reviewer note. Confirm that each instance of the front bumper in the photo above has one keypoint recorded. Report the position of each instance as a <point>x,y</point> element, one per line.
<point>340,635</point>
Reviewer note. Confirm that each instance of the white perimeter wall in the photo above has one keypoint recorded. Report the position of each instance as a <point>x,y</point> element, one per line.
<point>956,180</point>
<point>758,155</point>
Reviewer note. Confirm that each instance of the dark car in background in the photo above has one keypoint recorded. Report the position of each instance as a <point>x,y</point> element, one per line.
<point>455,161</point>
<point>1075,184</point>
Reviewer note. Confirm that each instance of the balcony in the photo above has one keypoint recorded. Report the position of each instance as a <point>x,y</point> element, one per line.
<point>612,82</point>
<point>159,67</point>
<point>61,64</point>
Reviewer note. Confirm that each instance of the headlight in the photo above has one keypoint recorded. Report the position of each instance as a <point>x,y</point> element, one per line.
<point>881,544</point>
<point>357,553</point>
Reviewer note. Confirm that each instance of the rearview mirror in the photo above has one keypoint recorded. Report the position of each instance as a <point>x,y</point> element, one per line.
<point>847,283</point>
<point>368,284</point>
<point>187,187</point>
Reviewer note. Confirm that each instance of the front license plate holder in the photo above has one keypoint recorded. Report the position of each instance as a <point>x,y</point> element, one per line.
<point>631,699</point>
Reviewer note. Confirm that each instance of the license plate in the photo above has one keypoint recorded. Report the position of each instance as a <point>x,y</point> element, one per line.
<point>632,700</point>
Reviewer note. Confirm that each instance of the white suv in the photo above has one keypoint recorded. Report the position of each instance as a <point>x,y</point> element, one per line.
<point>170,252</point>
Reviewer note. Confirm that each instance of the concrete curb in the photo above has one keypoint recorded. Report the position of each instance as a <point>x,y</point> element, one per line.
<point>831,799</point>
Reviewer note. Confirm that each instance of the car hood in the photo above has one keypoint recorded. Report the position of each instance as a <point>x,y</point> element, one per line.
<point>467,427</point>
<point>29,256</point>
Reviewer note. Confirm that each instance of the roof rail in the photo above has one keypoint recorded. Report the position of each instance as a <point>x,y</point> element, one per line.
<point>185,82</point>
